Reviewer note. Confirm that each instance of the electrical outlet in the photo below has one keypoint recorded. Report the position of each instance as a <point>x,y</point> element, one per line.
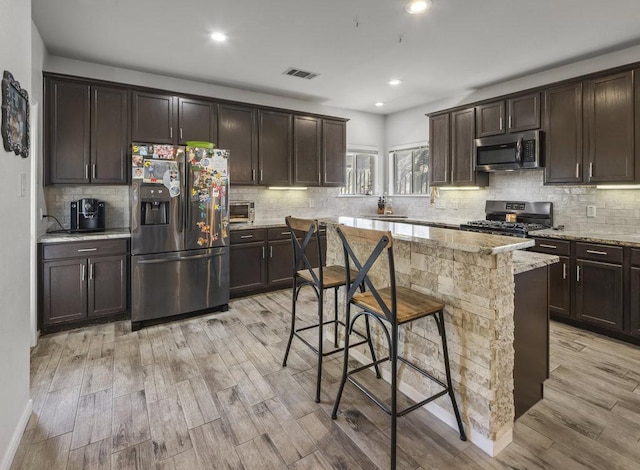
<point>440,204</point>
<point>453,205</point>
<point>41,213</point>
<point>591,211</point>
<point>312,203</point>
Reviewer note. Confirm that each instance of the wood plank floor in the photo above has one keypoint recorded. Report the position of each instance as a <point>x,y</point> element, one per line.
<point>209,392</point>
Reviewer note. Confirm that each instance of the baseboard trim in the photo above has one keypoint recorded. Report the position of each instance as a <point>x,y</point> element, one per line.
<point>489,447</point>
<point>10,454</point>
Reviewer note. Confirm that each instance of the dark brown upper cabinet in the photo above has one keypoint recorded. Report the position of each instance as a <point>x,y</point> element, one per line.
<point>275,137</point>
<point>452,150</point>
<point>196,121</point>
<point>522,114</point>
<point>238,133</point>
<point>563,134</point>
<point>609,129</point>
<point>334,152</point>
<point>154,118</point>
<point>307,137</point>
<point>86,133</point>
<point>109,135</point>
<point>439,142</point>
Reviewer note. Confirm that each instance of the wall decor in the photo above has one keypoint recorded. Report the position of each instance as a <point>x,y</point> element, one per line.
<point>15,116</point>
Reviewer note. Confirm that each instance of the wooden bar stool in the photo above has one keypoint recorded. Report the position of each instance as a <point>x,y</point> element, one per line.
<point>393,306</point>
<point>319,279</point>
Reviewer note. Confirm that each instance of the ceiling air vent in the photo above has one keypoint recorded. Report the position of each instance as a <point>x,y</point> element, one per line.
<point>300,73</point>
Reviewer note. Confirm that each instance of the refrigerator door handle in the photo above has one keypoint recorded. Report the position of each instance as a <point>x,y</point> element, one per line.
<point>180,258</point>
<point>185,199</point>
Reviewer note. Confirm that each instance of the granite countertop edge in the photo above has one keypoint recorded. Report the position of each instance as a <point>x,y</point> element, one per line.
<point>524,261</point>
<point>63,237</point>
<point>619,239</point>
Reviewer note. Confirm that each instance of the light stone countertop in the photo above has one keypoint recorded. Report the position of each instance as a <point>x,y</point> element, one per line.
<point>412,220</point>
<point>261,223</point>
<point>472,242</point>
<point>619,239</point>
<point>524,261</point>
<point>62,237</point>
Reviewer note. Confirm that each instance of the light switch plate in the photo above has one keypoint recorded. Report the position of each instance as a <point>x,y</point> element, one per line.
<point>23,184</point>
<point>591,211</point>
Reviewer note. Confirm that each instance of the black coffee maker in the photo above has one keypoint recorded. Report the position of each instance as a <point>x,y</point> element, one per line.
<point>87,215</point>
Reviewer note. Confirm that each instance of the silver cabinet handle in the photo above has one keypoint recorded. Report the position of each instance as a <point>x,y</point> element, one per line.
<point>564,270</point>
<point>86,172</point>
<point>181,133</point>
<point>91,269</point>
<point>325,176</point>
<point>284,233</point>
<point>451,176</point>
<point>253,174</point>
<point>542,245</point>
<point>510,122</point>
<point>590,170</point>
<point>93,171</point>
<point>319,177</point>
<point>84,250</point>
<point>171,132</point>
<point>596,252</point>
<point>246,236</point>
<point>578,273</point>
<point>271,251</point>
<point>577,170</point>
<point>500,120</point>
<point>263,252</point>
<point>261,176</point>
<point>82,274</point>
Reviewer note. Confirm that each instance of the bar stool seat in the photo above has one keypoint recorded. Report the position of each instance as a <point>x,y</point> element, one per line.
<point>391,307</point>
<point>319,279</point>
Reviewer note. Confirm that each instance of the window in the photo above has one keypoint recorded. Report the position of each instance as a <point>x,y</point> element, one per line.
<point>360,174</point>
<point>411,170</point>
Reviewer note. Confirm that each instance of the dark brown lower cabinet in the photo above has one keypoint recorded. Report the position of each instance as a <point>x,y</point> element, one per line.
<point>75,288</point>
<point>599,293</point>
<point>262,259</point>
<point>634,301</point>
<point>560,287</point>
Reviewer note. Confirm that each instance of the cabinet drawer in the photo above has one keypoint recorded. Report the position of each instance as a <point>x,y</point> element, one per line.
<point>84,249</point>
<point>281,233</point>
<point>635,257</point>
<point>553,247</point>
<point>247,236</point>
<point>607,253</point>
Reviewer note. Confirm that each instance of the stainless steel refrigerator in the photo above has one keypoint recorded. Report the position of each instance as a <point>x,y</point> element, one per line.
<point>179,231</point>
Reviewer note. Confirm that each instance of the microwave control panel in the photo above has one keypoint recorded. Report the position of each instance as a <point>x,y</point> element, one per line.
<point>529,151</point>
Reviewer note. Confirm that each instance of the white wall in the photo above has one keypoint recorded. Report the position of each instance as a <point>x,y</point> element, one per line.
<point>38,57</point>
<point>15,56</point>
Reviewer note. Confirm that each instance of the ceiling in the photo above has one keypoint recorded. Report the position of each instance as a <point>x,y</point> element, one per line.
<point>355,46</point>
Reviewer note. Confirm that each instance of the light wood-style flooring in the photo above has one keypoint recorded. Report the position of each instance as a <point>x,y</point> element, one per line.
<point>209,392</point>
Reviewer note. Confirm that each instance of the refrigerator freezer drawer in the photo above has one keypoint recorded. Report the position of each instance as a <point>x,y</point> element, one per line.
<point>169,284</point>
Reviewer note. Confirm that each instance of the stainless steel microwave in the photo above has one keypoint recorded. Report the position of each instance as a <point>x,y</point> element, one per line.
<point>509,152</point>
<point>242,211</point>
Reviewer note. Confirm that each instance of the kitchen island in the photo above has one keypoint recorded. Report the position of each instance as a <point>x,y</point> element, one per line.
<point>473,274</point>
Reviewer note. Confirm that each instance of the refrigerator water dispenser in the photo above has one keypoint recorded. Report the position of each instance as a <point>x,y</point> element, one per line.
<point>155,205</point>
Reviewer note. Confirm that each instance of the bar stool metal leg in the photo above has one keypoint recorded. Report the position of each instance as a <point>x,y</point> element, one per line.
<point>345,365</point>
<point>335,317</point>
<point>293,322</point>
<point>371,350</point>
<point>440,322</point>
<point>320,341</point>
<point>394,392</point>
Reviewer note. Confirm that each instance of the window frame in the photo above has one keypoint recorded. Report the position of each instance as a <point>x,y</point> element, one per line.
<point>391,169</point>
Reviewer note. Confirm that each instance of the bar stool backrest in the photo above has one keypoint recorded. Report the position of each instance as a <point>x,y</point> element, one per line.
<point>376,241</point>
<point>300,260</point>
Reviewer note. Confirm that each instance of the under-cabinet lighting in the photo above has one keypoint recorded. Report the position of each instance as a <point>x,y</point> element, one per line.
<point>459,188</point>
<point>418,6</point>
<point>618,186</point>
<point>218,36</point>
<point>289,188</point>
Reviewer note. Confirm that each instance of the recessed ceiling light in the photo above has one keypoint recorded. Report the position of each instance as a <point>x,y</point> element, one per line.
<point>395,82</point>
<point>378,104</point>
<point>418,6</point>
<point>219,37</point>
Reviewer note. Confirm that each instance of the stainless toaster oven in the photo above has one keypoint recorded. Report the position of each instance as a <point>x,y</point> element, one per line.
<point>242,212</point>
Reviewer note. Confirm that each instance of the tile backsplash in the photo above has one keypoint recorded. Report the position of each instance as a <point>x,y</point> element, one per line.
<point>617,211</point>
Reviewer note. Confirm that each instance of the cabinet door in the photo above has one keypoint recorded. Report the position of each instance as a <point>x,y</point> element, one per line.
<point>490,119</point>
<point>634,301</point>
<point>237,132</point>
<point>153,118</point>
<point>67,132</point>
<point>439,142</point>
<point>64,291</point>
<point>247,268</point>
<point>599,294</point>
<point>280,262</point>
<point>109,135</point>
<point>196,121</point>
<point>307,135</point>
<point>275,136</point>
<point>563,134</point>
<point>462,155</point>
<point>524,113</point>
<point>107,293</point>
<point>608,144</point>
<point>334,152</point>
<point>560,287</point>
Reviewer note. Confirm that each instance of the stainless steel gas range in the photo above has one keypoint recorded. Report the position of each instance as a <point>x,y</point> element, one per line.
<point>513,218</point>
